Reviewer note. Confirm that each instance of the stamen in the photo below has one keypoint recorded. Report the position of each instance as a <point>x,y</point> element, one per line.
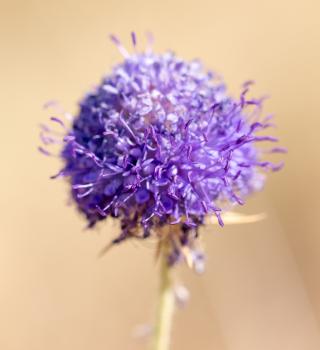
<point>134,39</point>
<point>128,128</point>
<point>82,195</point>
<point>77,186</point>
<point>59,121</point>
<point>150,42</point>
<point>44,151</point>
<point>119,46</point>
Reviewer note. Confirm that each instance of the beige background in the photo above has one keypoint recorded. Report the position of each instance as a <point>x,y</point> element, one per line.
<point>261,287</point>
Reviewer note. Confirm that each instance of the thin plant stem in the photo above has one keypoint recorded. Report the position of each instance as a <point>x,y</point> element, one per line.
<point>165,307</point>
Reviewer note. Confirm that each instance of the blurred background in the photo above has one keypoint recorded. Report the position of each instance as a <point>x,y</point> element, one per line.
<point>261,288</point>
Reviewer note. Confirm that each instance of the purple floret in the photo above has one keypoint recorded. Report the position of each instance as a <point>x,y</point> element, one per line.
<point>159,142</point>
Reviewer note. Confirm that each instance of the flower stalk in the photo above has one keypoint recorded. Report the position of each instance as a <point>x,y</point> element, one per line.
<point>165,310</point>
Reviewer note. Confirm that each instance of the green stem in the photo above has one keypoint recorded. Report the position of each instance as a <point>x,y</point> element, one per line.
<point>165,307</point>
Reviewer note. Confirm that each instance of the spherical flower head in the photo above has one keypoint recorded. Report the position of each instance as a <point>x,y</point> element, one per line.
<point>160,144</point>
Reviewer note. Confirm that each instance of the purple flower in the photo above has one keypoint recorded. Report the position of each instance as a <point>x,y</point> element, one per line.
<point>160,142</point>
